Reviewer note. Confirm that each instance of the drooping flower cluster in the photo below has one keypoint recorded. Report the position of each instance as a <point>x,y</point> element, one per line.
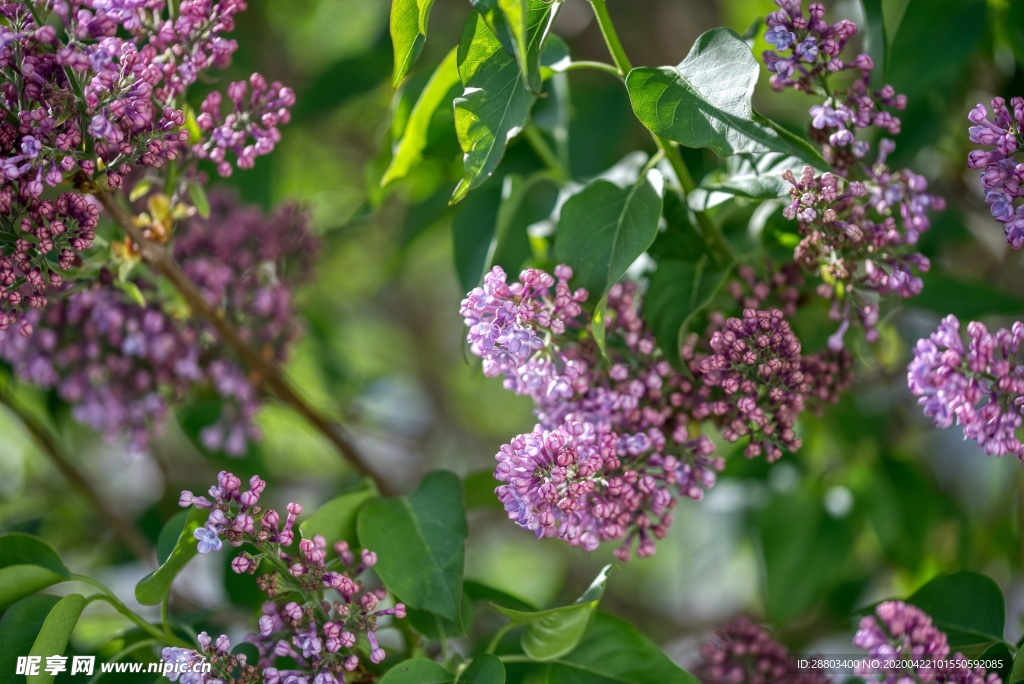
<point>618,439</point>
<point>979,385</point>
<point>316,609</point>
<point>859,221</point>
<point>122,363</point>
<point>1002,176</point>
<point>903,635</point>
<point>742,652</point>
<point>95,96</point>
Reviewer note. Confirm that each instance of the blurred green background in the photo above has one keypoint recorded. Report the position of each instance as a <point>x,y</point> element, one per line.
<point>875,503</point>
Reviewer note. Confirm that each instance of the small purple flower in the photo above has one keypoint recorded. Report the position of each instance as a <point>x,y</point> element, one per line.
<point>781,38</point>
<point>209,539</point>
<point>807,49</point>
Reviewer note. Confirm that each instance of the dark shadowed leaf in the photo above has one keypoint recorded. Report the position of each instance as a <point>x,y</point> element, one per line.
<point>417,671</point>
<point>679,290</point>
<point>968,606</point>
<point>152,589</point>
<point>18,630</point>
<point>485,669</point>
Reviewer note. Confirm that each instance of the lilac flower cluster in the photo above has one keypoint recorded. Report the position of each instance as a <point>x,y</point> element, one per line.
<point>979,385</point>
<point>315,611</point>
<point>1002,176</point>
<point>902,633</point>
<point>860,221</point>
<point>121,363</point>
<point>93,89</point>
<point>618,440</point>
<point>34,249</point>
<point>742,652</point>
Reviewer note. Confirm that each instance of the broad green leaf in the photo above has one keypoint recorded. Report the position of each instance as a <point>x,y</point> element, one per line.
<point>152,588</point>
<point>1017,673</point>
<point>18,630</point>
<point>417,671</point>
<point>553,633</point>
<point>705,101</point>
<point>615,652</point>
<point>409,19</point>
<point>485,669</point>
<point>507,21</point>
<point>55,633</point>
<point>876,40</point>
<point>409,152</point>
<point>168,537</point>
<point>679,290</point>
<point>967,606</point>
<point>496,103</point>
<point>27,564</point>
<point>604,228</point>
<point>336,519</point>
<point>425,531</point>
<point>437,628</point>
<point>804,550</point>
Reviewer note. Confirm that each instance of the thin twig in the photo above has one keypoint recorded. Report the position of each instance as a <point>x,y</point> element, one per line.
<point>263,372</point>
<point>51,448</point>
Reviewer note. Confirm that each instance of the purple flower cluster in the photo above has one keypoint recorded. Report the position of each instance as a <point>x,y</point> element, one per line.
<point>315,611</point>
<point>1002,177</point>
<point>902,633</point>
<point>741,652</point>
<point>121,363</point>
<point>859,221</point>
<point>93,89</point>
<point>979,385</point>
<point>618,438</point>
<point>36,248</point>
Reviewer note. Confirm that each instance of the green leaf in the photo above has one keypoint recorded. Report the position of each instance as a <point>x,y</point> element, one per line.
<point>409,20</point>
<point>439,89</point>
<point>417,671</point>
<point>437,628</point>
<point>169,533</point>
<point>55,633</point>
<point>197,194</point>
<point>27,564</point>
<point>999,652</point>
<point>425,531</point>
<point>679,290</point>
<point>507,20</point>
<point>705,101</point>
<point>18,630</point>
<point>496,103</point>
<point>604,228</point>
<point>152,588</point>
<point>615,652</point>
<point>1017,673</point>
<point>478,591</point>
<point>485,669</point>
<point>336,519</point>
<point>967,606</point>
<point>876,40</point>
<point>552,633</point>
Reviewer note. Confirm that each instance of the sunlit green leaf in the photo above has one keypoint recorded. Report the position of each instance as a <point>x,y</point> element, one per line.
<point>27,565</point>
<point>409,19</point>
<point>55,632</point>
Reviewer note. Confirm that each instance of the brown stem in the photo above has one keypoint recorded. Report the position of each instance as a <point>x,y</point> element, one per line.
<point>132,538</point>
<point>264,372</point>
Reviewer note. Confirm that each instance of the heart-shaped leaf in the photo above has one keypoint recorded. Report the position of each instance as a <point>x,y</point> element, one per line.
<point>967,606</point>
<point>420,543</point>
<point>705,101</point>
<point>336,519</point>
<point>604,228</point>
